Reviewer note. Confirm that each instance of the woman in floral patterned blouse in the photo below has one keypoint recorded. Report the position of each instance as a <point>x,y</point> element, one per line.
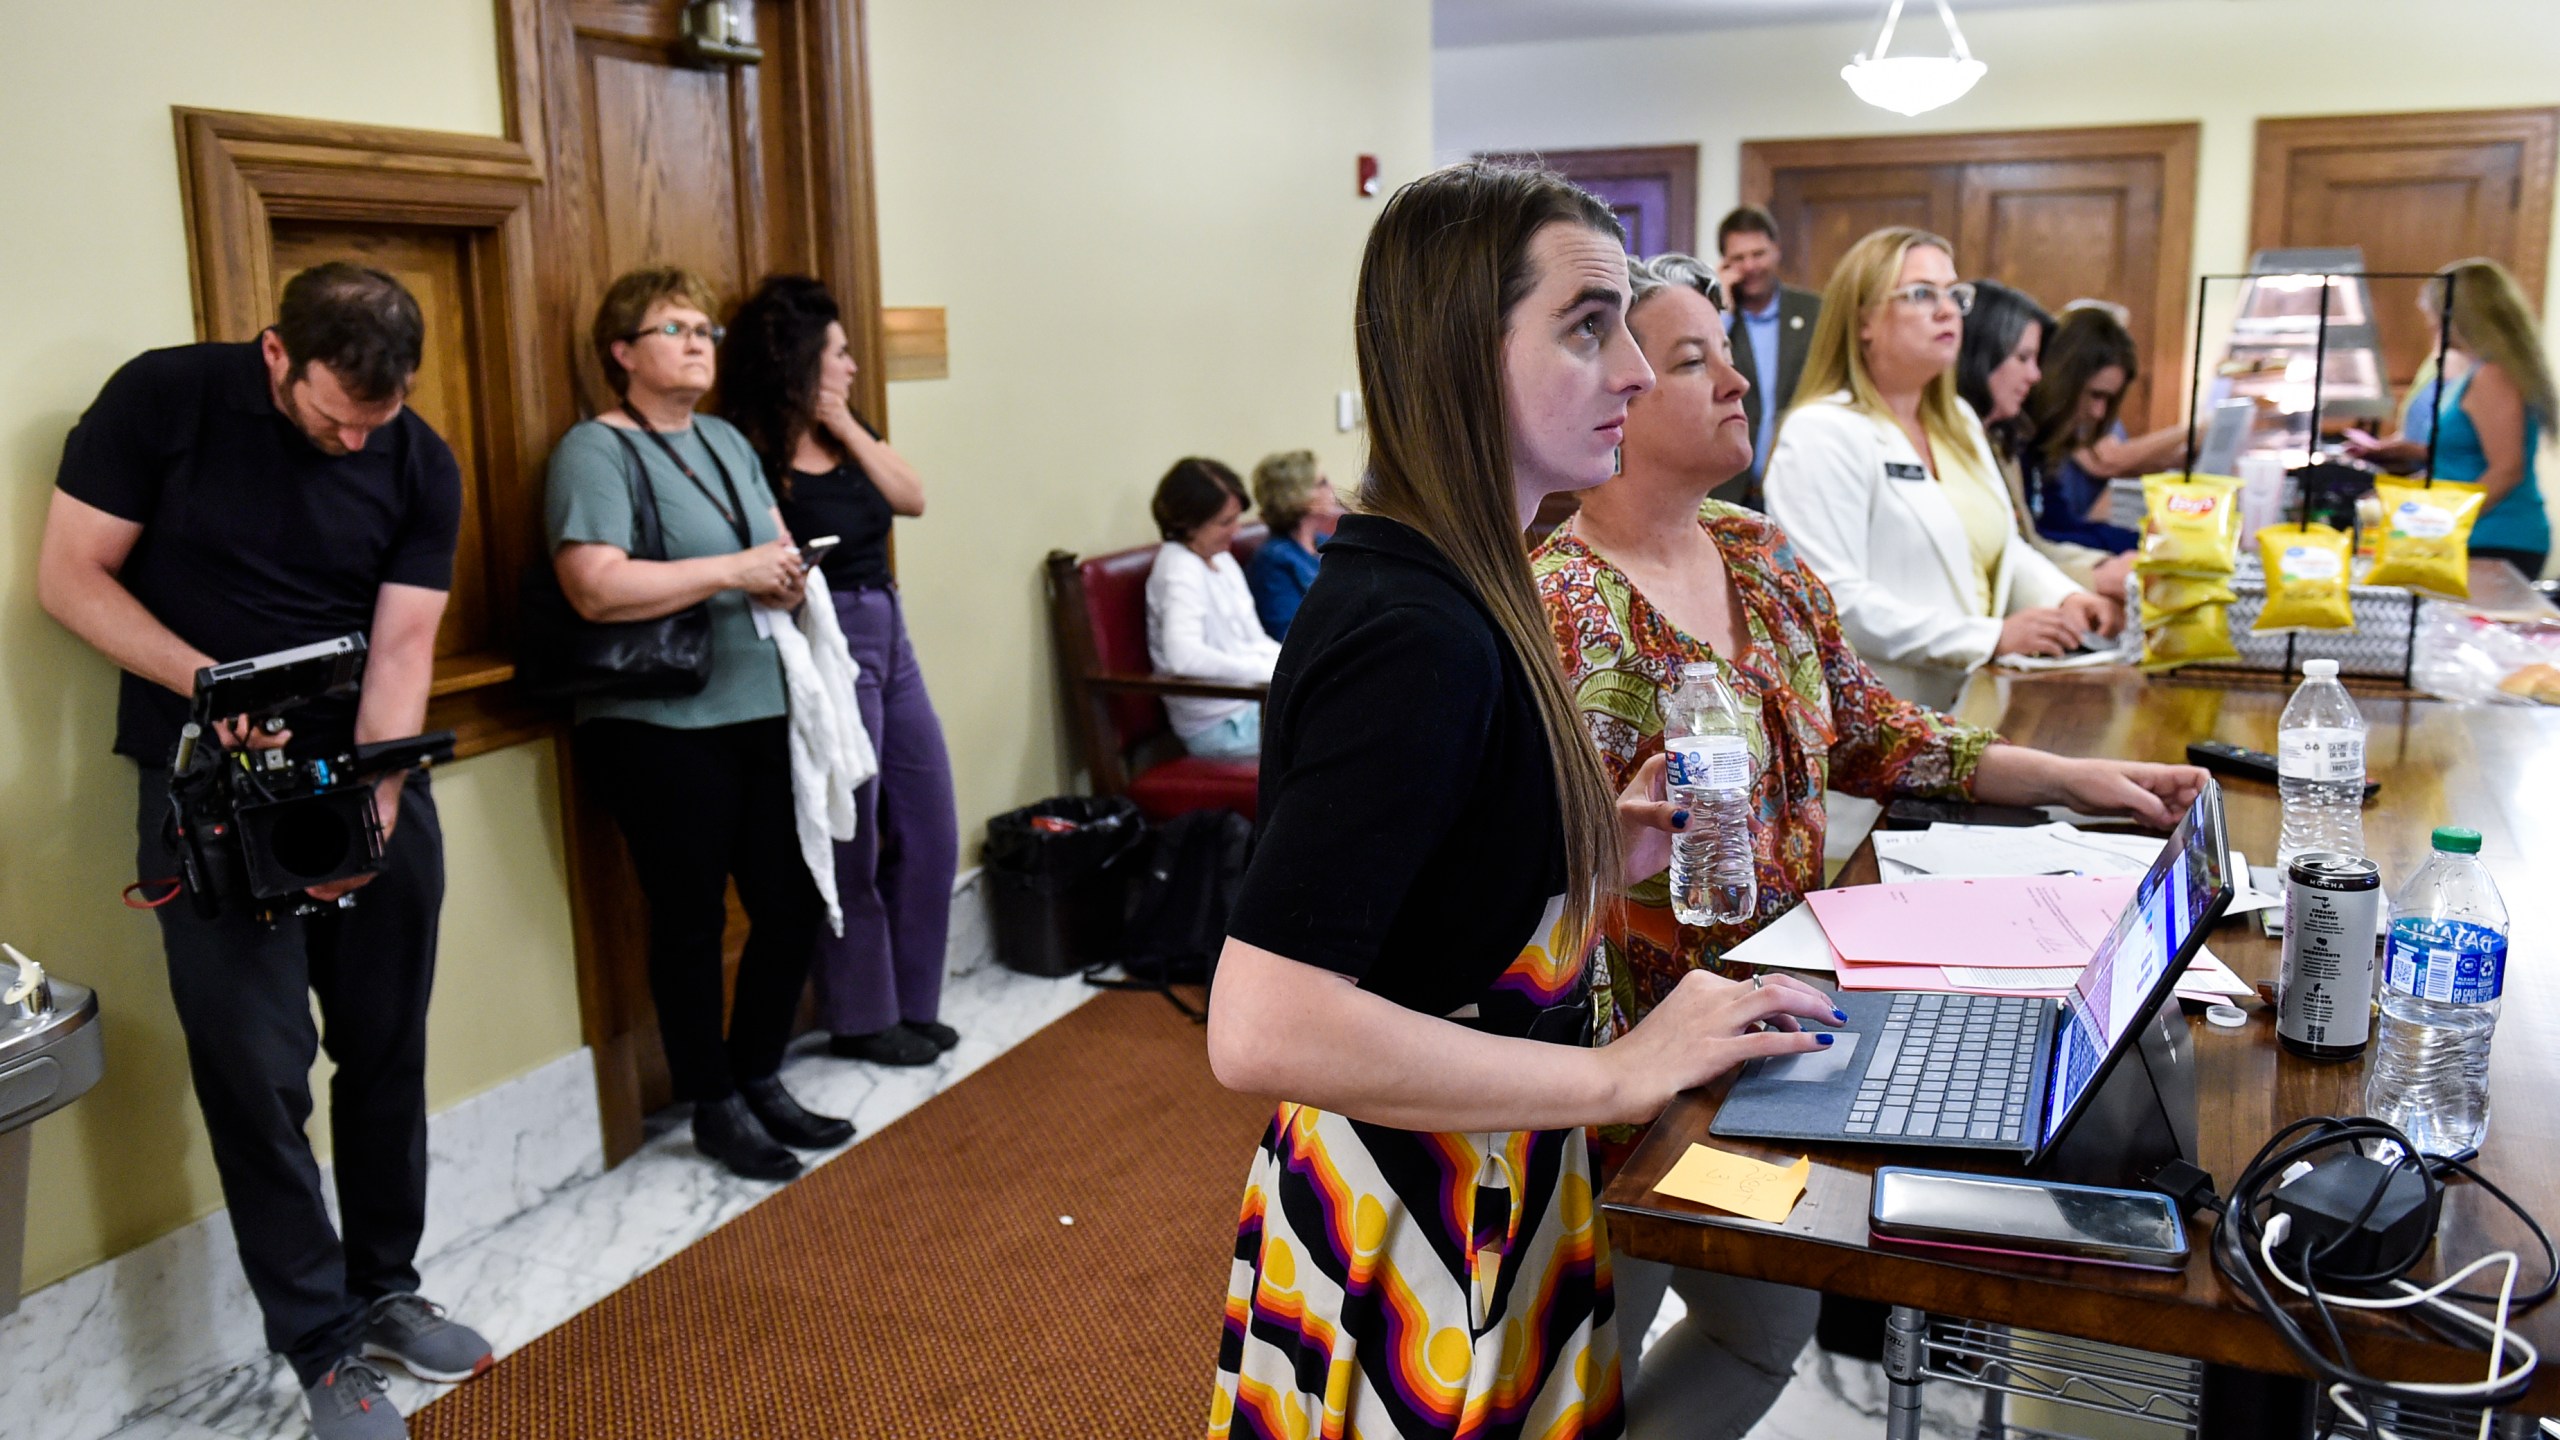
<point>1651,575</point>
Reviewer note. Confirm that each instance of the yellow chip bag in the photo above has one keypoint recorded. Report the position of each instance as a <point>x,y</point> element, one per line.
<point>2306,579</point>
<point>2424,541</point>
<point>2167,595</point>
<point>2203,633</point>
<point>2190,525</point>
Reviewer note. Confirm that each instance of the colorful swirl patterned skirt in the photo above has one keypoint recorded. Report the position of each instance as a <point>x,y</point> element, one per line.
<point>1396,1283</point>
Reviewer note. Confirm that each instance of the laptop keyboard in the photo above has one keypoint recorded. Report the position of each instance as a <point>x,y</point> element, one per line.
<point>1950,1067</point>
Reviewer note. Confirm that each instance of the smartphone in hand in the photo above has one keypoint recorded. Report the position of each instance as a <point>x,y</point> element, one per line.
<point>816,550</point>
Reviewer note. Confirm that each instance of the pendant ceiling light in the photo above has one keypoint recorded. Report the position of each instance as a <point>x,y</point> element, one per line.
<point>1912,84</point>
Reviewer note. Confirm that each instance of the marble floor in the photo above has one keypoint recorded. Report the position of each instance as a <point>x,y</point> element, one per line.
<point>524,1277</point>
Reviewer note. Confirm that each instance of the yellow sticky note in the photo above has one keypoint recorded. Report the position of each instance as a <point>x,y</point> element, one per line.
<point>1737,1182</point>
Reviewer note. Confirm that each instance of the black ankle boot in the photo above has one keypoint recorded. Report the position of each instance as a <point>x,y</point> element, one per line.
<point>942,1036</point>
<point>785,1121</point>
<point>727,1131</point>
<point>896,1045</point>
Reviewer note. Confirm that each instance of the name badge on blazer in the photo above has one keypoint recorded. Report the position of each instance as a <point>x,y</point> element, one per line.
<point>1904,470</point>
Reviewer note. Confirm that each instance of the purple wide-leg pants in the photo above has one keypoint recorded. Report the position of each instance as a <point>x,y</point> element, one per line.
<point>894,876</point>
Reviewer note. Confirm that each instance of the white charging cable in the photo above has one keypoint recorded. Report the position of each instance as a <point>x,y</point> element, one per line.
<point>2500,1336</point>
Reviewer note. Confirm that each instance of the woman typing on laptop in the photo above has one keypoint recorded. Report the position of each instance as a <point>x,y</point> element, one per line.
<point>1652,575</point>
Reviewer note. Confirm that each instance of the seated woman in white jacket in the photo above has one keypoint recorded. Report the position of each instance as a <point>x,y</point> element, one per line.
<point>1886,483</point>
<point>1200,616</point>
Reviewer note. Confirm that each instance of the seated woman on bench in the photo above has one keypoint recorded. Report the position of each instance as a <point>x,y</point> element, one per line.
<point>1200,616</point>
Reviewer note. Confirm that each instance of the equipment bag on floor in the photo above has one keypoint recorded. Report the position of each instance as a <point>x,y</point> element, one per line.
<point>1183,889</point>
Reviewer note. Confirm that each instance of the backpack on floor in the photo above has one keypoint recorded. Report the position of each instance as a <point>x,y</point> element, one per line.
<point>1190,871</point>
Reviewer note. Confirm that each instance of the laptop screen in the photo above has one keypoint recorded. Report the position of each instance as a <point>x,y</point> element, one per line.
<point>2182,893</point>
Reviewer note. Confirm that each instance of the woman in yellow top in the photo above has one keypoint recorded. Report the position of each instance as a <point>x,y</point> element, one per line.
<point>1886,483</point>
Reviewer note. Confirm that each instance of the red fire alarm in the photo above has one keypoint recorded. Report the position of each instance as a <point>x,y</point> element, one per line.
<point>1368,174</point>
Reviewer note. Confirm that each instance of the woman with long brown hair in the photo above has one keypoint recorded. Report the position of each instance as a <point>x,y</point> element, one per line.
<point>1419,1247</point>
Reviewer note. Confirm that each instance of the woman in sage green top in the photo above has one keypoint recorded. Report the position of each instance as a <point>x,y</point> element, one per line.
<point>700,785</point>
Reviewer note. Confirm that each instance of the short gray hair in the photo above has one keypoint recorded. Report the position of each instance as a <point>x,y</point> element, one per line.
<point>1651,277</point>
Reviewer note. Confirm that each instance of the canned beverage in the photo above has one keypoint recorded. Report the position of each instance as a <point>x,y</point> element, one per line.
<point>2324,995</point>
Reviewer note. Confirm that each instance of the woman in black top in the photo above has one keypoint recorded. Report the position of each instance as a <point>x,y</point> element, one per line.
<point>1420,1247</point>
<point>788,370</point>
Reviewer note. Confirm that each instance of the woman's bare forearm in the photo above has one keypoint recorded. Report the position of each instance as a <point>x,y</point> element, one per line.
<point>610,586</point>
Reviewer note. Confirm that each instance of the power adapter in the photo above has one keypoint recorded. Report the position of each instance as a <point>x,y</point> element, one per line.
<point>2321,1205</point>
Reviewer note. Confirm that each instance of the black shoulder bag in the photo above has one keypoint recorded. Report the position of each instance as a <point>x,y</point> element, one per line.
<point>563,655</point>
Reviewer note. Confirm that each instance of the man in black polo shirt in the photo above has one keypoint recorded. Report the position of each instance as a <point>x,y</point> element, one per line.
<point>225,501</point>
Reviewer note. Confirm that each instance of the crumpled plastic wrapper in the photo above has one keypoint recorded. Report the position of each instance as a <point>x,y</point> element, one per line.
<point>2483,657</point>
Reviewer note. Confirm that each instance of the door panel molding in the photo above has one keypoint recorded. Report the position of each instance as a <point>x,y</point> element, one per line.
<point>1964,181</point>
<point>1677,165</point>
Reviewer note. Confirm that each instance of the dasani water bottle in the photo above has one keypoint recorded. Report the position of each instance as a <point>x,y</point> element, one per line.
<point>1713,879</point>
<point>2444,968</point>
<point>2320,767</point>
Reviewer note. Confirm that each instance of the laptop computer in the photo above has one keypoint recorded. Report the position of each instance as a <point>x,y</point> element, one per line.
<point>2002,1073</point>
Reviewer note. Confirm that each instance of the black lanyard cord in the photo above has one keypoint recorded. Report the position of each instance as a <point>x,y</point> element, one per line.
<point>735,512</point>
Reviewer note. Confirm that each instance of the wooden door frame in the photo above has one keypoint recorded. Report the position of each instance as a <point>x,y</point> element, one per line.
<point>2536,130</point>
<point>821,58</point>
<point>2175,146</point>
<point>1630,162</point>
<point>238,174</point>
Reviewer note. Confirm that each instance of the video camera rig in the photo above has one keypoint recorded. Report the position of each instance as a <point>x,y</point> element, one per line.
<point>253,827</point>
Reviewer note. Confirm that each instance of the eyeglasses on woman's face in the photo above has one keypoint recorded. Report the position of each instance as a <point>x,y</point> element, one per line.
<point>1925,296</point>
<point>677,330</point>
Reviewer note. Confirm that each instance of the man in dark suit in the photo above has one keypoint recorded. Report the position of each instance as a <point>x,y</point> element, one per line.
<point>1771,325</point>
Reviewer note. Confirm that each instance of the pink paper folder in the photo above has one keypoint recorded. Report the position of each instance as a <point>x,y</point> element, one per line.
<point>1997,921</point>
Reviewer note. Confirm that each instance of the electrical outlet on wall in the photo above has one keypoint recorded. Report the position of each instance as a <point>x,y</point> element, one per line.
<point>1346,411</point>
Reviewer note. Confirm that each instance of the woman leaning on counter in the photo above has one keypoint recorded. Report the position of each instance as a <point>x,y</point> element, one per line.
<point>1649,576</point>
<point>700,785</point>
<point>1885,481</point>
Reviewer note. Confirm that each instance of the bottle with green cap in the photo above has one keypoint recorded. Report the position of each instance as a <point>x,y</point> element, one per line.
<point>2444,968</point>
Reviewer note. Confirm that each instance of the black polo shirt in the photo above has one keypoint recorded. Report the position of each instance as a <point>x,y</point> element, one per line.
<point>253,540</point>
<point>1410,834</point>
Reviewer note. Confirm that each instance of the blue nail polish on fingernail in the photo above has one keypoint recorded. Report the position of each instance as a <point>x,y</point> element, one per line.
<point>1840,1015</point>
<point>1823,1039</point>
<point>1679,819</point>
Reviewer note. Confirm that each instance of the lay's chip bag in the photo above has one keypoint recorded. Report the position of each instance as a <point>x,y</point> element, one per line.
<point>2424,541</point>
<point>2306,579</point>
<point>2190,525</point>
<point>2203,633</point>
<point>2167,595</point>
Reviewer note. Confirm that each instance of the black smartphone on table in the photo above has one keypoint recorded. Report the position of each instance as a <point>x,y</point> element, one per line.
<point>2013,1215</point>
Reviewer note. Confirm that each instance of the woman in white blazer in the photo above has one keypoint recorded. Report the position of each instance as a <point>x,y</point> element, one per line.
<point>1200,616</point>
<point>1885,481</point>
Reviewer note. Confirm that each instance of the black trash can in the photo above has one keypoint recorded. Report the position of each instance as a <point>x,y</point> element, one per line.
<point>1058,880</point>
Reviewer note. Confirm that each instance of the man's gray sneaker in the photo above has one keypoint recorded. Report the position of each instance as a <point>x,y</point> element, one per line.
<point>348,1403</point>
<point>413,1331</point>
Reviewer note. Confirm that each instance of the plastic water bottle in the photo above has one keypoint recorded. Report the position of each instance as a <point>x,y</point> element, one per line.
<point>1713,877</point>
<point>2320,767</point>
<point>2444,969</point>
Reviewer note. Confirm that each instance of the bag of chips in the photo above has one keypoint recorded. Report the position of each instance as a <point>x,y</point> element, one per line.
<point>2167,595</point>
<point>2424,541</point>
<point>2203,633</point>
<point>2306,579</point>
<point>2190,525</point>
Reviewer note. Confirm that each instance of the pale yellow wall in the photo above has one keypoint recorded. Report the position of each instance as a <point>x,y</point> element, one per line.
<point>1140,215</point>
<point>96,251</point>
<point>2213,61</point>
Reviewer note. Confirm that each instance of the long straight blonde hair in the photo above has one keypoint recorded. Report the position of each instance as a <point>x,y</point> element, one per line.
<point>2490,314</point>
<point>1446,262</point>
<point>1835,361</point>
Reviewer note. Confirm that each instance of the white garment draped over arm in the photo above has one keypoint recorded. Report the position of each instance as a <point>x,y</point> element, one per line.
<point>831,752</point>
<point>1201,621</point>
<point>1896,603</point>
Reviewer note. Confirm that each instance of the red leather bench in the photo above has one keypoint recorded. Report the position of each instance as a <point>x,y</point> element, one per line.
<point>1115,698</point>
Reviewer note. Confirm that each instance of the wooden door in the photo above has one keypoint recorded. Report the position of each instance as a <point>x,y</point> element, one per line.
<point>735,171</point>
<point>1652,188</point>
<point>2063,215</point>
<point>2414,192</point>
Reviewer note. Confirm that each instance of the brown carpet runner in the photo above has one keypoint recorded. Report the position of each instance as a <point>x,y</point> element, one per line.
<point>922,1285</point>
